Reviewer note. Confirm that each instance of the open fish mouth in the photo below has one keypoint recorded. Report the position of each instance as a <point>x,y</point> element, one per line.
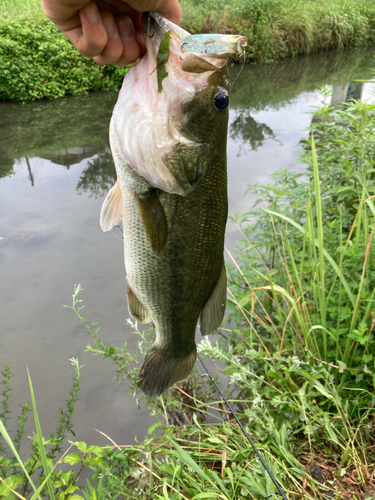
<point>147,124</point>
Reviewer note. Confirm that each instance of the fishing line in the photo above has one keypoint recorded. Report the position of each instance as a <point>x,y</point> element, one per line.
<point>238,74</point>
<point>244,432</point>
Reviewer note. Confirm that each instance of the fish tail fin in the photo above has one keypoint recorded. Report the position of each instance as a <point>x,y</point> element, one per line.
<point>161,370</point>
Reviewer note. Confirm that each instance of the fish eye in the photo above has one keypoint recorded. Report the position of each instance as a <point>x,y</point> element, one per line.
<point>221,100</point>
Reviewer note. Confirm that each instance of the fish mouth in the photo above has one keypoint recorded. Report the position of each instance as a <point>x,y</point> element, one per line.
<point>148,124</point>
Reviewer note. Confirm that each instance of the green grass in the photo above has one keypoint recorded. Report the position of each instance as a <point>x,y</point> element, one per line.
<point>26,9</point>
<point>283,28</point>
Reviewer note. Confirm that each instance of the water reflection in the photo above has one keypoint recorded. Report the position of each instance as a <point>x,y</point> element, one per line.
<point>99,176</point>
<point>248,132</point>
<point>64,131</point>
<point>272,86</point>
<point>343,93</point>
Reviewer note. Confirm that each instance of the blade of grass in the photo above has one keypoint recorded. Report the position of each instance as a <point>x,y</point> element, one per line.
<point>40,442</point>
<point>319,223</point>
<point>356,307</point>
<point>326,254</point>
<point>186,458</point>
<point>11,490</point>
<point>48,477</point>
<point>9,442</point>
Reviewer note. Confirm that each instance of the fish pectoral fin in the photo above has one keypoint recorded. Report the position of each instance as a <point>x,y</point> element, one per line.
<point>154,220</point>
<point>136,309</point>
<point>162,369</point>
<point>213,311</point>
<point>112,211</point>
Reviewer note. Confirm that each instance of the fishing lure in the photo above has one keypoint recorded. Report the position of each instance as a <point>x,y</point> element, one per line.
<point>209,44</point>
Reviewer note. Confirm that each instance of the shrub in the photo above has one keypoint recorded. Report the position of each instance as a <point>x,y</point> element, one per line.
<point>37,61</point>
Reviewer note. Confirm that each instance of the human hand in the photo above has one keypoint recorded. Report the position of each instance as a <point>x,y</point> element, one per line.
<point>105,29</point>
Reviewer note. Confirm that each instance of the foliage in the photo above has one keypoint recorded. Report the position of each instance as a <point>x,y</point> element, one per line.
<point>278,29</point>
<point>302,294</point>
<point>37,61</point>
<point>26,9</point>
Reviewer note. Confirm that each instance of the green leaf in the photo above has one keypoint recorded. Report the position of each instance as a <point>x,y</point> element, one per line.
<point>11,482</point>
<point>9,442</point>
<point>230,370</point>
<point>95,449</point>
<point>71,459</point>
<point>245,300</point>
<point>154,427</point>
<point>162,59</point>
<point>46,469</point>
<point>341,364</point>
<point>81,445</point>
<point>322,390</point>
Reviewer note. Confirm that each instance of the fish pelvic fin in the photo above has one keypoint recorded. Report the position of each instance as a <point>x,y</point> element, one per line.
<point>213,311</point>
<point>162,369</point>
<point>112,211</point>
<point>136,309</point>
<point>154,220</point>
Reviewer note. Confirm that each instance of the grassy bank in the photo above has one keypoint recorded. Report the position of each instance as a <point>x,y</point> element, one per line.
<point>283,28</point>
<point>37,62</point>
<point>300,354</point>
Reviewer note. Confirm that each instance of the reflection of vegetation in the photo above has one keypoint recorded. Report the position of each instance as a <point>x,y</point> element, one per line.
<point>50,129</point>
<point>274,85</point>
<point>6,167</point>
<point>99,176</point>
<point>248,131</point>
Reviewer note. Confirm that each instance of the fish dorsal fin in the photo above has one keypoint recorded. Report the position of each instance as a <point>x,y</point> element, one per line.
<point>154,220</point>
<point>197,63</point>
<point>213,311</point>
<point>112,211</point>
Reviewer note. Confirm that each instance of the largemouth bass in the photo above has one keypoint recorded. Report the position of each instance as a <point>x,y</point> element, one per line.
<point>169,150</point>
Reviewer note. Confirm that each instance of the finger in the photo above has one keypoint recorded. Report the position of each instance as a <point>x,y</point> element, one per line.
<point>168,8</point>
<point>63,13</point>
<point>113,50</point>
<point>171,10</point>
<point>90,38</point>
<point>131,49</point>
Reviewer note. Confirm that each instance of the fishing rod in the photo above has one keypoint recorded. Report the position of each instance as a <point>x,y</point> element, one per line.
<point>244,432</point>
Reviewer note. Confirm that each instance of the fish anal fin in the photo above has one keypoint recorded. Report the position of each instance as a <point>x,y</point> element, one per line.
<point>161,370</point>
<point>154,220</point>
<point>112,211</point>
<point>212,313</point>
<point>136,309</point>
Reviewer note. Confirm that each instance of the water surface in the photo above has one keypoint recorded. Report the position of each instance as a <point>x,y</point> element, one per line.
<point>55,170</point>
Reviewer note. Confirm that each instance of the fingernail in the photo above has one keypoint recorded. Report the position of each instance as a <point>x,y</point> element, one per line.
<point>125,27</point>
<point>110,26</point>
<point>92,14</point>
